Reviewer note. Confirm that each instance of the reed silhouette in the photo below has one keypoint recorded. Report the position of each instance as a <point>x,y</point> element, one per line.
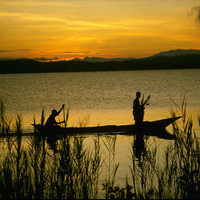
<point>35,171</point>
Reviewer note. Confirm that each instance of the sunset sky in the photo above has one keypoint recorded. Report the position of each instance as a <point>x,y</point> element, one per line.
<point>67,29</point>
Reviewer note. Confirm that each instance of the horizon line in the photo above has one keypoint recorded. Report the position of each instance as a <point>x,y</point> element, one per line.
<point>56,59</point>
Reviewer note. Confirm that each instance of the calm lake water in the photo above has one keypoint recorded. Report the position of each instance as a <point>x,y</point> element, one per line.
<point>103,98</point>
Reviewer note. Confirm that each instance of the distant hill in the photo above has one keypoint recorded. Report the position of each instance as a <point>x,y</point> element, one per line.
<point>178,52</point>
<point>99,59</point>
<point>159,62</point>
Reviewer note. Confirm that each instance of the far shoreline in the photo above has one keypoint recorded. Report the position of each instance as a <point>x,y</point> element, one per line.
<point>20,66</point>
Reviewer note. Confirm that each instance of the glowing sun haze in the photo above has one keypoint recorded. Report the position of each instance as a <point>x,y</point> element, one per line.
<point>66,29</point>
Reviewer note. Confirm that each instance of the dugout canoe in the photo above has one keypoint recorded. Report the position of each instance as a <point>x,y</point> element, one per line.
<point>153,128</point>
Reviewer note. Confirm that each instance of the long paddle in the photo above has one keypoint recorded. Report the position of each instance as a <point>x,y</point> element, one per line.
<point>146,101</point>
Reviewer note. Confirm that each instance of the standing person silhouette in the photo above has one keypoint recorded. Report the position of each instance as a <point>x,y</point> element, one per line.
<point>138,109</point>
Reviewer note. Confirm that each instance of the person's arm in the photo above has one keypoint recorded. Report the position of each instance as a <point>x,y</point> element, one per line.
<point>60,122</point>
<point>61,109</point>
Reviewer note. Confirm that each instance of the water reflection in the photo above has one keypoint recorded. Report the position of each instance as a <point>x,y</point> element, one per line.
<point>99,94</point>
<point>52,142</point>
<point>139,146</point>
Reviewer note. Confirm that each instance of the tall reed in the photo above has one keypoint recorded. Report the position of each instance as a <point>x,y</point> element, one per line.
<point>111,190</point>
<point>176,176</point>
<point>73,171</point>
<point>42,117</point>
<point>37,172</point>
<point>5,120</point>
<point>65,117</point>
<point>179,174</point>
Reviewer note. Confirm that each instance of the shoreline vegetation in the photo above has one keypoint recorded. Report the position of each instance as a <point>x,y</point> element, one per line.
<point>73,171</point>
<point>157,62</point>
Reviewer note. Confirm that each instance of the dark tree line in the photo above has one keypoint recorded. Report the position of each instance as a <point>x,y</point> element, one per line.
<point>150,63</point>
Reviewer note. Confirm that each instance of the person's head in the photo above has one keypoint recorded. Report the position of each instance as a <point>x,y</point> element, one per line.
<point>54,112</point>
<point>138,94</point>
